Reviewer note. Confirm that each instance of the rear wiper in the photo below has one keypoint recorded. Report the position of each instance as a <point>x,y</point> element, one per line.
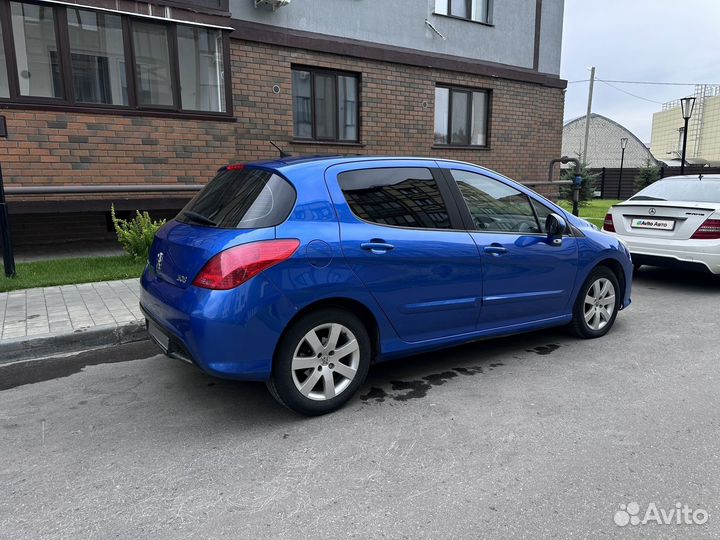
<point>199,218</point>
<point>646,198</point>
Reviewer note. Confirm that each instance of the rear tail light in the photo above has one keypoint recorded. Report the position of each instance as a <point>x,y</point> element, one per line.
<point>235,266</point>
<point>608,224</point>
<point>710,230</point>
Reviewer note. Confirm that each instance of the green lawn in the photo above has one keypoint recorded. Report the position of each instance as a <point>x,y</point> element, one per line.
<point>595,210</point>
<point>66,271</point>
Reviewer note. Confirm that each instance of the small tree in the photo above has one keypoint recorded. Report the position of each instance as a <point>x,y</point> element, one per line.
<point>136,235</point>
<point>587,186</point>
<point>648,174</point>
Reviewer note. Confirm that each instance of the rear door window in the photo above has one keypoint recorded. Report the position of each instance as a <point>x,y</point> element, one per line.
<point>402,196</point>
<point>241,199</point>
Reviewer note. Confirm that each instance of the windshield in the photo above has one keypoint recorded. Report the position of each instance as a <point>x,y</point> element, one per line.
<point>681,190</point>
<point>241,199</point>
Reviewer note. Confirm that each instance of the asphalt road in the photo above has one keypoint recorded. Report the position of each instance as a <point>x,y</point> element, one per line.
<point>536,436</point>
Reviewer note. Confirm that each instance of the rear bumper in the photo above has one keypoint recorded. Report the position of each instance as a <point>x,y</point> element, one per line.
<point>685,253</point>
<point>229,334</point>
<point>670,262</point>
<point>170,344</point>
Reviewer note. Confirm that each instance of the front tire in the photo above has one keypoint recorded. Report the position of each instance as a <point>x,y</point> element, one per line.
<point>320,362</point>
<point>597,304</point>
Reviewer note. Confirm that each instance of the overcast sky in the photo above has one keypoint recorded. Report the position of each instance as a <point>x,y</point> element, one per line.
<point>638,40</point>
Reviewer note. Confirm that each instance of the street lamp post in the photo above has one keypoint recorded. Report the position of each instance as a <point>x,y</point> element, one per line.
<point>686,107</point>
<point>623,145</point>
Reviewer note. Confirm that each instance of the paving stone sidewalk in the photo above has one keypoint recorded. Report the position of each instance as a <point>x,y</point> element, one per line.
<point>33,319</point>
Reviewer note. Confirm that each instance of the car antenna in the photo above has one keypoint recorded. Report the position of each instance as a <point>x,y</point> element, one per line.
<point>283,153</point>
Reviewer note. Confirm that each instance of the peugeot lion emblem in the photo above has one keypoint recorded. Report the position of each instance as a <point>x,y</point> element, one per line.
<point>652,212</point>
<point>158,264</point>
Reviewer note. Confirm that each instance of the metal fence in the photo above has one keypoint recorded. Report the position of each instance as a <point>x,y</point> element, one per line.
<point>610,185</point>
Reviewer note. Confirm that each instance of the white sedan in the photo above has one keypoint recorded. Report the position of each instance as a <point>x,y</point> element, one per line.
<point>672,222</point>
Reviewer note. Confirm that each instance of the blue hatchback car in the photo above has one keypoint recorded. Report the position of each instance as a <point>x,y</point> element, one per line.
<point>301,272</point>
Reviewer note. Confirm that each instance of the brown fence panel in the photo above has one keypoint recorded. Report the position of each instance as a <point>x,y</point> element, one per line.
<point>611,185</point>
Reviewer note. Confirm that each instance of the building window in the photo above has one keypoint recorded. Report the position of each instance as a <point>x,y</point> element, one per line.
<point>202,77</point>
<point>97,57</point>
<point>302,106</point>
<point>325,105</point>
<point>4,84</point>
<point>473,10</point>
<point>201,5</point>
<point>80,56</point>
<point>152,64</point>
<point>461,116</point>
<point>36,50</point>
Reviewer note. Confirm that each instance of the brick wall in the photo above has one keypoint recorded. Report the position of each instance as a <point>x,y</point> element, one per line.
<point>53,148</point>
<point>397,117</point>
<point>397,111</point>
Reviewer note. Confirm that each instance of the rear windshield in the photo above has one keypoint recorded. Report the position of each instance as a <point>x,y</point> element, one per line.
<point>681,190</point>
<point>241,199</point>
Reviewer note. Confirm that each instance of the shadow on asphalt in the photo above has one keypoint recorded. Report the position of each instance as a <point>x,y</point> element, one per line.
<point>398,380</point>
<point>46,369</point>
<point>675,279</point>
<point>405,378</point>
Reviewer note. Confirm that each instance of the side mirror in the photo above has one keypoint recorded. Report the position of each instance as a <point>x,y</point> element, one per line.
<point>555,227</point>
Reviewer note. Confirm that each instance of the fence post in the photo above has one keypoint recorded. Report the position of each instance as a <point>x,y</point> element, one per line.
<point>602,184</point>
<point>8,255</point>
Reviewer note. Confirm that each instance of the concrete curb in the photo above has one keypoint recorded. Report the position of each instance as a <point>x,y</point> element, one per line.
<point>30,348</point>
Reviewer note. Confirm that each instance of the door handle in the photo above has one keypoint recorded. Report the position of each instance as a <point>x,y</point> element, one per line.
<point>377,247</point>
<point>495,249</point>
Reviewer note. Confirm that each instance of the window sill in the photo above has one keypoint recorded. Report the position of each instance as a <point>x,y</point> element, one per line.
<point>491,25</point>
<point>458,147</point>
<point>115,111</point>
<point>327,143</point>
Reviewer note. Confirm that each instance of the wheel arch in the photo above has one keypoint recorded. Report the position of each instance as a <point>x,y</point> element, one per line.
<point>616,268</point>
<point>351,305</point>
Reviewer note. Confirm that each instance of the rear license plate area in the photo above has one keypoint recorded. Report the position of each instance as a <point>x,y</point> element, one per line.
<point>650,223</point>
<point>158,336</point>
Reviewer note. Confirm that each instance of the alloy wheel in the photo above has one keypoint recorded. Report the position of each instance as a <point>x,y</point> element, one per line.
<point>599,303</point>
<point>325,361</point>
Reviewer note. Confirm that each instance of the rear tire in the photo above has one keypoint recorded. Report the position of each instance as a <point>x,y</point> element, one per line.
<point>320,362</point>
<point>596,305</point>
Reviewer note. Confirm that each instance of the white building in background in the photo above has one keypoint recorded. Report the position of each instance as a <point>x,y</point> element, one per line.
<point>703,142</point>
<point>604,149</point>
